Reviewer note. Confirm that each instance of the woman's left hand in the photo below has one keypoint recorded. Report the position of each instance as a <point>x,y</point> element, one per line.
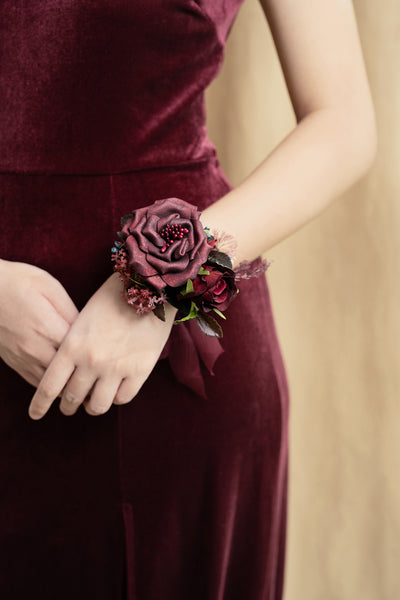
<point>108,353</point>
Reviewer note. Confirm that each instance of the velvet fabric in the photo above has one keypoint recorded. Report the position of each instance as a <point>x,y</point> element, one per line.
<point>119,83</point>
<point>172,496</point>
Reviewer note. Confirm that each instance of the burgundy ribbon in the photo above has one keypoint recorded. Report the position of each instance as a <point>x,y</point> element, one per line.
<point>188,347</point>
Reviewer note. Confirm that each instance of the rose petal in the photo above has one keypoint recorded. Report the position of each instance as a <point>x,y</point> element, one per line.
<point>162,266</point>
<point>156,281</point>
<point>182,259</point>
<point>220,287</point>
<point>221,298</point>
<point>151,229</point>
<point>181,248</point>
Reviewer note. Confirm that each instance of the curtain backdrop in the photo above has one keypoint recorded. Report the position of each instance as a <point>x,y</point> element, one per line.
<point>335,289</point>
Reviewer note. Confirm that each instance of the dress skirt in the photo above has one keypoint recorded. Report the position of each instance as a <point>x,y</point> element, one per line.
<point>172,496</point>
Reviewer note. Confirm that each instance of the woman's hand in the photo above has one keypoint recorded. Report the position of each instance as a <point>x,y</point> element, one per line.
<point>108,354</point>
<point>35,315</point>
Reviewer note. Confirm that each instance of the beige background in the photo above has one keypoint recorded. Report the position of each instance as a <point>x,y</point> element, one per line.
<point>335,290</point>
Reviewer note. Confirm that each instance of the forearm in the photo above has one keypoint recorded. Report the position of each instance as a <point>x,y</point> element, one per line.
<point>324,155</point>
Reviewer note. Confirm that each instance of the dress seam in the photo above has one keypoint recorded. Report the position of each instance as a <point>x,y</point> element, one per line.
<point>198,161</point>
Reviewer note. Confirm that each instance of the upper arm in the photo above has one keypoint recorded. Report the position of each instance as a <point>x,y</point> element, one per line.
<point>320,53</point>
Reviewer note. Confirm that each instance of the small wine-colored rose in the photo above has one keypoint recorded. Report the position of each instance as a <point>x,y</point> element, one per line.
<point>216,289</point>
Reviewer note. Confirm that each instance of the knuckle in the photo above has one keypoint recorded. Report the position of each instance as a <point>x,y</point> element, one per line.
<point>80,379</point>
<point>71,398</point>
<point>92,358</point>
<point>47,393</point>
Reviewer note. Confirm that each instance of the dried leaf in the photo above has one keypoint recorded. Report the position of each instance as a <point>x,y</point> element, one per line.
<point>219,258</point>
<point>209,325</point>
<point>159,311</point>
<point>126,218</point>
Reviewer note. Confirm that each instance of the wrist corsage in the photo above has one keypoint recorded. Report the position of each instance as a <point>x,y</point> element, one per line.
<point>166,255</point>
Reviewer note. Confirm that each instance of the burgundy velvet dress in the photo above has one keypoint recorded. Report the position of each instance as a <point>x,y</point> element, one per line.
<point>173,496</point>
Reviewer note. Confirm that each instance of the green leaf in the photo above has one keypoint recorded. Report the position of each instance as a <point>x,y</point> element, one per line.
<point>191,315</point>
<point>209,325</point>
<point>189,286</point>
<point>137,282</point>
<point>219,313</point>
<point>203,271</point>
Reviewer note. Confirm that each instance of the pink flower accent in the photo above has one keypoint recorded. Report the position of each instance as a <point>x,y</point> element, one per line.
<point>224,242</point>
<point>247,270</point>
<point>142,299</point>
<point>120,259</point>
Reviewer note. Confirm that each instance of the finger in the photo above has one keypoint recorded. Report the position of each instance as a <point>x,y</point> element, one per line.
<point>35,349</point>
<point>126,391</point>
<point>102,396</point>
<point>34,369</point>
<point>76,390</point>
<point>32,378</point>
<point>60,300</point>
<point>54,327</point>
<point>37,371</point>
<point>53,381</point>
<point>45,355</point>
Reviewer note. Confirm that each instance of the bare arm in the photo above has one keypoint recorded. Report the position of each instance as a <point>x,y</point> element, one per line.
<point>334,141</point>
<point>332,145</point>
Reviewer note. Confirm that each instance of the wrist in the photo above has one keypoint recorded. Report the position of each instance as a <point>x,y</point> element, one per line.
<point>4,269</point>
<point>167,259</point>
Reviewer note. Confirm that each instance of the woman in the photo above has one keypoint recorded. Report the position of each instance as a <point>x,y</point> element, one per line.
<point>167,494</point>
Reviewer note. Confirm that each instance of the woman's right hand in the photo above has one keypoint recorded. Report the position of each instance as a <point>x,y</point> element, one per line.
<point>35,315</point>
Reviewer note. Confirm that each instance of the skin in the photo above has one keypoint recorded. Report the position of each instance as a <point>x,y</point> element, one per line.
<point>332,146</point>
<point>36,314</point>
<point>334,143</point>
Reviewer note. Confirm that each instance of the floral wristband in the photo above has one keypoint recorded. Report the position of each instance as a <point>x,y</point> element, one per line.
<point>166,255</point>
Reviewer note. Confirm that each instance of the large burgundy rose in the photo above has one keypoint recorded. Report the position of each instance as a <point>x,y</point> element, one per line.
<point>216,290</point>
<point>166,242</point>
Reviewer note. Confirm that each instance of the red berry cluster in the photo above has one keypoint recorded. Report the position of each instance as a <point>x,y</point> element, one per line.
<point>171,233</point>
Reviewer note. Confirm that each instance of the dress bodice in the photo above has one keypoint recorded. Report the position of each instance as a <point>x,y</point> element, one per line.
<point>104,86</point>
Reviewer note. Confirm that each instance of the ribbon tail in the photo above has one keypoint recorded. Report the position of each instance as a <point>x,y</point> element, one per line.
<point>209,348</point>
<point>185,349</point>
<point>184,360</point>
